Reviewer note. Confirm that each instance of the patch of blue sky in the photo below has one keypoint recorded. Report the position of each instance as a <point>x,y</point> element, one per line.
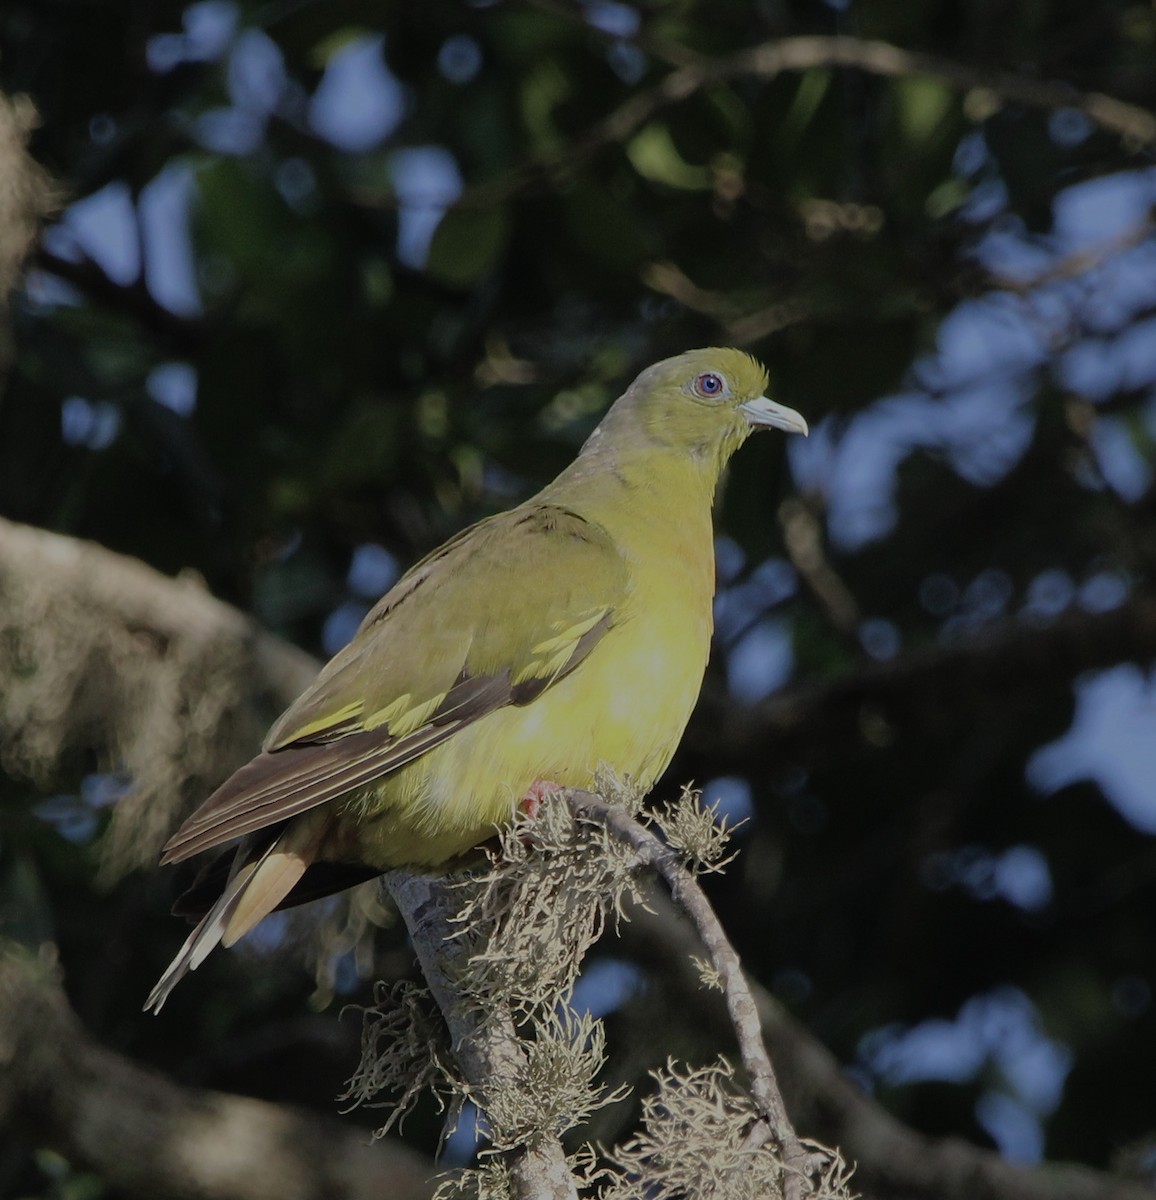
<point>741,604</point>
<point>1000,1029</point>
<point>971,155</point>
<point>1127,472</point>
<point>358,102</point>
<point>1090,368</point>
<point>256,75</point>
<point>1096,211</point>
<point>618,20</point>
<point>1023,878</point>
<point>730,797</point>
<point>71,819</point>
<point>986,200</point>
<point>1135,352</point>
<point>174,385</point>
<point>1110,742</point>
<point>861,486</point>
<point>1069,127</point>
<point>372,571</point>
<point>460,58</point>
<point>165,220</point>
<point>427,181</point>
<point>987,430</point>
<point>812,459</point>
<point>1049,594</point>
<point>269,935</point>
<point>341,624</point>
<point>1089,217</point>
<point>74,816</point>
<point>1102,591</point>
<point>231,131</point>
<point>207,31</point>
<point>1012,255</point>
<point>1019,875</point>
<point>881,638</point>
<point>729,559</point>
<point>257,81</point>
<point>102,227</point>
<point>605,985</point>
<point>1011,1124</point>
<point>83,422</point>
<point>43,290</point>
<point>1131,275</point>
<point>462,1141</point>
<point>1117,290</point>
<point>762,660</point>
<point>107,228</point>
<point>983,429</point>
<point>773,581</point>
<point>980,340</point>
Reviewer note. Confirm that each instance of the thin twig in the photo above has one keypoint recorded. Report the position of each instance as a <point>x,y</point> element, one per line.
<point>1135,125</point>
<point>771,59</point>
<point>803,541</point>
<point>652,852</point>
<point>1080,262</point>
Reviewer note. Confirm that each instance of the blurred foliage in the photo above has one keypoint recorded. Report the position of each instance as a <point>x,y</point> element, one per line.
<point>329,377</point>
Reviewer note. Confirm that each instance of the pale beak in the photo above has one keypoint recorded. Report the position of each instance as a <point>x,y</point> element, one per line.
<point>766,413</point>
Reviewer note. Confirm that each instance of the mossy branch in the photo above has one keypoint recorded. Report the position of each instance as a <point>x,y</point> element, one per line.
<point>727,967</point>
<point>501,948</point>
<point>486,1044</point>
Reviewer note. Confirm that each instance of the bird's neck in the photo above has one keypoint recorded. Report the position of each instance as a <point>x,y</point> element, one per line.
<point>656,504</point>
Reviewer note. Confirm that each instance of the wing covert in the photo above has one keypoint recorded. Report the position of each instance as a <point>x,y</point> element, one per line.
<point>493,618</point>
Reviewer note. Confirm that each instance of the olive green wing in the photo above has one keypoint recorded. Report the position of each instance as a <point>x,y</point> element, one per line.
<point>493,618</point>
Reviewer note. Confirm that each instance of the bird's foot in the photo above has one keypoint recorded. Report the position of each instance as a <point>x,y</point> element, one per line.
<point>531,802</point>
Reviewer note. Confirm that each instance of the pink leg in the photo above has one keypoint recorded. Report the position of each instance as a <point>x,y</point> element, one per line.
<point>532,800</point>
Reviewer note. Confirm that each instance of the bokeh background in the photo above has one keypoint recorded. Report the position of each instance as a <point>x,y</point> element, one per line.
<point>327,281</point>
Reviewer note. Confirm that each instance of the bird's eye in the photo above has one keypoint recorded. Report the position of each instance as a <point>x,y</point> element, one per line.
<point>709,385</point>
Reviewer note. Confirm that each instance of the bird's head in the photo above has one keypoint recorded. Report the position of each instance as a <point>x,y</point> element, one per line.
<point>704,403</point>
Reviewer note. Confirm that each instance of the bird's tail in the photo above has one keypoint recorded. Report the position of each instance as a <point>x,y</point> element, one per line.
<point>254,889</point>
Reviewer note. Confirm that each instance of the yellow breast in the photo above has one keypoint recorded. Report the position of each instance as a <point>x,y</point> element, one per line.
<point>623,709</point>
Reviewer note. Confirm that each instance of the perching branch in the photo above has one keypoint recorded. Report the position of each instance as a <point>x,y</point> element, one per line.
<point>486,1043</point>
<point>653,853</point>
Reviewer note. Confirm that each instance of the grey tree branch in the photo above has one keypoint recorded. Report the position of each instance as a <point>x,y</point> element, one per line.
<point>1006,655</point>
<point>1135,125</point>
<point>653,853</point>
<point>148,1137</point>
<point>771,59</point>
<point>101,654</point>
<point>486,1043</point>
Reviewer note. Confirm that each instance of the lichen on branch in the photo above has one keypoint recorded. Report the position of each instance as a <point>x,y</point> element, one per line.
<point>501,947</point>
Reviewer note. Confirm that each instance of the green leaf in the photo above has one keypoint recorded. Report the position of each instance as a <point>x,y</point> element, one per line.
<point>921,104</point>
<point>467,244</point>
<point>653,155</point>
